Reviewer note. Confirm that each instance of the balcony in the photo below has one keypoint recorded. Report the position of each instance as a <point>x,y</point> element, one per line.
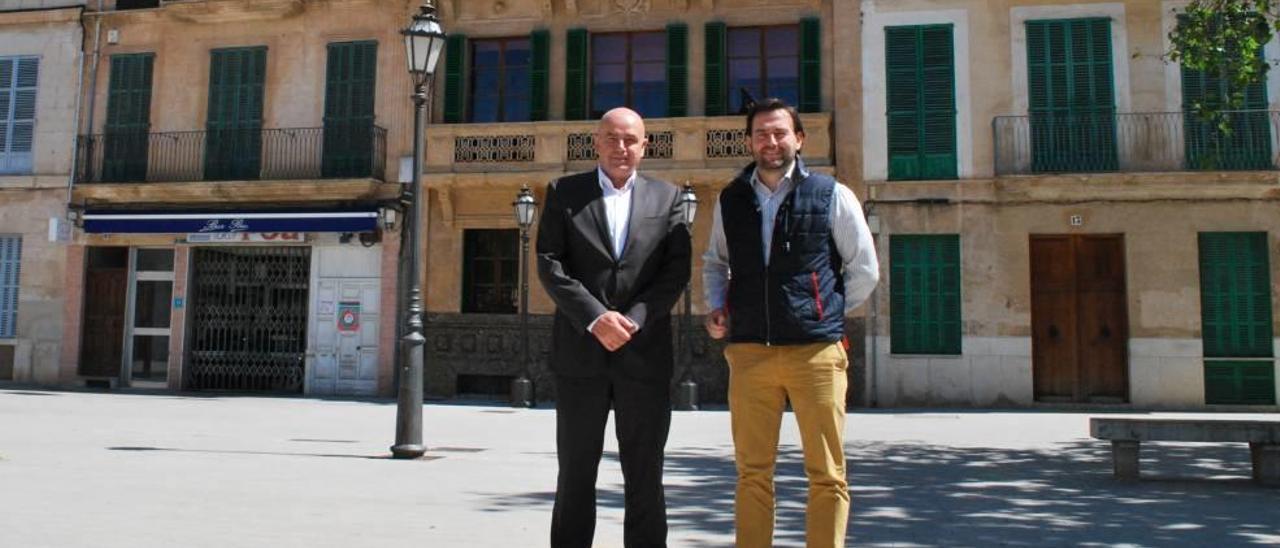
<point>335,152</point>
<point>1136,142</point>
<point>674,144</point>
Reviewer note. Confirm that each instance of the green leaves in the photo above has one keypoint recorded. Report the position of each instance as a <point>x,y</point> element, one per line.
<point>1225,37</point>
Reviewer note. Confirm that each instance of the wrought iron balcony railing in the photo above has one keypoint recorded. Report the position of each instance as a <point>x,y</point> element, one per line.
<point>1136,142</point>
<point>336,151</point>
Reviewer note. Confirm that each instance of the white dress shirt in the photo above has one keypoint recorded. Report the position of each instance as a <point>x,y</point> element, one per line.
<point>861,268</point>
<point>617,209</point>
<point>617,213</point>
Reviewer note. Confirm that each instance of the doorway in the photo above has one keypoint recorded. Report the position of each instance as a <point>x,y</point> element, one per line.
<point>106,286</point>
<point>248,327</point>
<point>345,326</point>
<point>1079,318</point>
<point>146,344</point>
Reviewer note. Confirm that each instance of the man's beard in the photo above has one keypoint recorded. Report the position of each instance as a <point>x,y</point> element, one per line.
<point>784,158</point>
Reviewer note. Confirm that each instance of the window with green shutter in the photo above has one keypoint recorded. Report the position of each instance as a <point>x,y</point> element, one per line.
<point>233,145</point>
<point>18,78</point>
<point>1241,139</point>
<point>10,262</point>
<point>1071,95</point>
<point>539,75</point>
<point>126,135</point>
<point>920,88</point>
<point>575,76</point>
<point>455,79</point>
<point>810,64</point>
<point>715,100</point>
<point>924,293</point>
<point>1235,311</point>
<point>677,69</point>
<point>350,78</point>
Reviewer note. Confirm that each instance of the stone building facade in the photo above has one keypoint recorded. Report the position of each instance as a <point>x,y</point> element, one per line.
<point>39,57</point>
<point>1055,226</point>
<point>236,194</point>
<point>681,64</point>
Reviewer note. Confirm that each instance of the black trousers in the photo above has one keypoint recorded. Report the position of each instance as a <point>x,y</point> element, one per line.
<point>642,417</point>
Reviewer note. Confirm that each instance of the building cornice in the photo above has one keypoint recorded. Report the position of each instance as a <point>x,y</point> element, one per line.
<point>39,16</point>
<point>231,11</point>
<point>1208,186</point>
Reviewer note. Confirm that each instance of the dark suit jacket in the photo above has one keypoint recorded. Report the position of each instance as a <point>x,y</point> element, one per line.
<point>577,268</point>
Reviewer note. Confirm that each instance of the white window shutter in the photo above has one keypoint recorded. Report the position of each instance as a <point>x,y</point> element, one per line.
<point>18,81</point>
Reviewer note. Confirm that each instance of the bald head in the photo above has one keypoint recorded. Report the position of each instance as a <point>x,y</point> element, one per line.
<point>620,117</point>
<point>620,142</point>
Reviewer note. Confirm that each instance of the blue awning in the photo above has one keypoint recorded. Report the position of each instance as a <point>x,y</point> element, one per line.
<point>128,222</point>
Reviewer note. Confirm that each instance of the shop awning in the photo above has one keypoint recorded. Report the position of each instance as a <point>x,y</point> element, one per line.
<point>132,222</point>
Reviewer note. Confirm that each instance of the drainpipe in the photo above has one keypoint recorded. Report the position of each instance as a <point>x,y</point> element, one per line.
<point>872,362</point>
<point>93,75</point>
<point>75,158</point>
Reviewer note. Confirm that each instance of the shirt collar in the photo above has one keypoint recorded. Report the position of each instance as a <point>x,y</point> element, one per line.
<point>783,186</point>
<point>607,185</point>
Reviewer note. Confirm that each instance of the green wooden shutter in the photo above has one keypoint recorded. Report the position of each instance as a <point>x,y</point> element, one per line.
<point>937,65</point>
<point>924,294</point>
<point>717,96</point>
<point>902,97</point>
<point>677,70</point>
<point>455,81</point>
<point>1235,310</point>
<point>350,79</point>
<point>921,102</point>
<point>1246,141</point>
<point>575,76</point>
<point>233,146</point>
<point>1236,382</point>
<point>810,64</point>
<point>1071,95</point>
<point>539,74</point>
<point>126,135</point>
<point>10,265</point>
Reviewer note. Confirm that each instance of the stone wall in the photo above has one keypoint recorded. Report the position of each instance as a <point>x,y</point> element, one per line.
<point>489,344</point>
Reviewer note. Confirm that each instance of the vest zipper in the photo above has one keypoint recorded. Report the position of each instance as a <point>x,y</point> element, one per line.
<point>817,297</point>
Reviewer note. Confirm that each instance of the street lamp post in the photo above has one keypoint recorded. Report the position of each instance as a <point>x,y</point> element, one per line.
<point>423,42</point>
<point>526,208</point>
<point>687,392</point>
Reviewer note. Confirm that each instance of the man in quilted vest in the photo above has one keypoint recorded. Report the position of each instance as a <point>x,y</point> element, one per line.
<point>790,254</point>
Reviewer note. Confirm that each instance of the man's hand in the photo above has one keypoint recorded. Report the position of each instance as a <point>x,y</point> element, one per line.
<point>613,330</point>
<point>717,323</point>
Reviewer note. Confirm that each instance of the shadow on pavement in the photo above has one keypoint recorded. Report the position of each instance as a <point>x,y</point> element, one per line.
<point>1191,495</point>
<point>266,453</point>
<point>920,495</point>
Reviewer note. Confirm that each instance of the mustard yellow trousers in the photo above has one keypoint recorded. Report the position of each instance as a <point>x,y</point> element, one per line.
<point>761,380</point>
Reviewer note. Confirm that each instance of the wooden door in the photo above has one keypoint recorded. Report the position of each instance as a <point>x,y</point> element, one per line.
<point>1053,318</point>
<point>1104,319</point>
<point>102,344</point>
<point>1079,318</point>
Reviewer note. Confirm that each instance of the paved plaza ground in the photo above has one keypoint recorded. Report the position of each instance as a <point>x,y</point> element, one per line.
<point>91,469</point>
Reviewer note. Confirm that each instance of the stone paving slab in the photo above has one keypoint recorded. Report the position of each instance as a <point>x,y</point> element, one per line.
<point>127,469</point>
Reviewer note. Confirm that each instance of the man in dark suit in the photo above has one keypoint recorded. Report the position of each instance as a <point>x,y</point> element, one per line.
<point>613,253</point>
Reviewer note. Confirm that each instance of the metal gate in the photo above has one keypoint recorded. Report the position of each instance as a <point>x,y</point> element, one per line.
<point>248,318</point>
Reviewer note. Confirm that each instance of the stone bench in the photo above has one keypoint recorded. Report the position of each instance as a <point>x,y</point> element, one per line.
<point>1126,434</point>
